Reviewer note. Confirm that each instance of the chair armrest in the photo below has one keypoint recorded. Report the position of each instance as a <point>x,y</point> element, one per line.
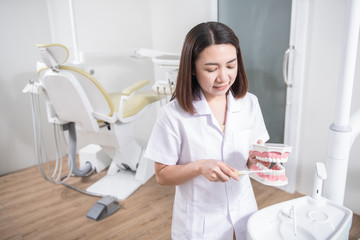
<point>105,118</point>
<point>136,86</point>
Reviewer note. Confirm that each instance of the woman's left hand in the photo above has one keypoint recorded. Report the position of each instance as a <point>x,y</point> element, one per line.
<point>252,158</point>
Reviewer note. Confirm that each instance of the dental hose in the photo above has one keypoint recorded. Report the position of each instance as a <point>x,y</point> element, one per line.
<point>40,146</point>
<point>41,152</point>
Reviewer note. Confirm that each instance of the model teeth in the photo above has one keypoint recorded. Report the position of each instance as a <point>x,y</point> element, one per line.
<point>270,171</point>
<point>268,159</point>
<point>269,167</point>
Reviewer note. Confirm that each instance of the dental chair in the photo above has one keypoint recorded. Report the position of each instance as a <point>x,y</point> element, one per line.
<point>77,101</point>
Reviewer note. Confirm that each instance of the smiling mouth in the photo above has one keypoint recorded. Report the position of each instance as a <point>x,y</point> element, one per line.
<point>222,87</point>
<point>271,157</point>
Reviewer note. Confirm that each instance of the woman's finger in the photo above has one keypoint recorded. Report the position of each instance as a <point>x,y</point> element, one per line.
<point>229,172</point>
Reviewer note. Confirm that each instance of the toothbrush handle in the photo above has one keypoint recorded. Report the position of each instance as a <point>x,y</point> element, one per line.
<point>243,172</point>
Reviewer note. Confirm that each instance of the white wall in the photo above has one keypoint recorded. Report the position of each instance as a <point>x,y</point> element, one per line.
<point>173,19</point>
<point>112,25</point>
<point>325,41</point>
<point>106,26</point>
<point>22,25</point>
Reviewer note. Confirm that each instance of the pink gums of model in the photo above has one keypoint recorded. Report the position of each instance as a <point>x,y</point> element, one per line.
<point>267,154</point>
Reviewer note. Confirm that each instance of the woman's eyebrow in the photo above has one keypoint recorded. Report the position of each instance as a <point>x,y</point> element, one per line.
<point>232,60</point>
<point>210,63</point>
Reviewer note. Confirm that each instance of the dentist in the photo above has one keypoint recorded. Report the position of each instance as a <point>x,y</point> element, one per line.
<point>204,135</point>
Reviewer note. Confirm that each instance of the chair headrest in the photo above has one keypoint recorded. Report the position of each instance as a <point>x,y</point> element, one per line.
<point>53,54</point>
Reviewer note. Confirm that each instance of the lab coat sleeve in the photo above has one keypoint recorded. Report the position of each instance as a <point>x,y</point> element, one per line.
<point>164,143</point>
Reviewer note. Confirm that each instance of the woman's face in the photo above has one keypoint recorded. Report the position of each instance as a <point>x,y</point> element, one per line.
<point>216,69</point>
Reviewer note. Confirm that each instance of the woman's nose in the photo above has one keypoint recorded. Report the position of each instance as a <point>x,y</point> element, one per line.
<point>223,75</point>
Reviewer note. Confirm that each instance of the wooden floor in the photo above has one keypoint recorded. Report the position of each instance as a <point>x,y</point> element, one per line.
<point>32,208</point>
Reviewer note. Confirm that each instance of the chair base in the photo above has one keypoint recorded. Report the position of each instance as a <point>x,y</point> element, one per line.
<point>95,155</point>
<point>120,185</point>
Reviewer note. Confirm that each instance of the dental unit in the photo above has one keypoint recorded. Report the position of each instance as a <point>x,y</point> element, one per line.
<point>269,169</point>
<point>307,218</point>
<point>77,105</point>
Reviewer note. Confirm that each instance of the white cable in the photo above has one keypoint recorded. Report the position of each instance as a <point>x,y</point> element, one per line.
<point>33,103</point>
<point>40,146</point>
<point>57,154</point>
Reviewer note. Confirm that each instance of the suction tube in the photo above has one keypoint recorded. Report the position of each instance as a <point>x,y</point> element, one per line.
<point>72,153</point>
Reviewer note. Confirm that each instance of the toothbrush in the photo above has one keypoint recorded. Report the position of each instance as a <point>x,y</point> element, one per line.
<point>243,172</point>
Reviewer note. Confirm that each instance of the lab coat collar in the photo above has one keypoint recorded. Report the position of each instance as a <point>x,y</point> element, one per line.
<point>235,105</point>
<point>202,108</point>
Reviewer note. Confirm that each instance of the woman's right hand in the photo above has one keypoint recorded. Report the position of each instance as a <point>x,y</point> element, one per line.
<point>216,171</point>
<point>213,170</point>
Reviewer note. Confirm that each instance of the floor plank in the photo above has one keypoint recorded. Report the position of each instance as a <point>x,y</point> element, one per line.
<point>32,208</point>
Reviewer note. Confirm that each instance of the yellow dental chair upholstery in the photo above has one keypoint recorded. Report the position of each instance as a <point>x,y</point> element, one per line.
<point>75,96</point>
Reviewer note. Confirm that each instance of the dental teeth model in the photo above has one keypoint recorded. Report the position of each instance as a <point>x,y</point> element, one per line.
<point>271,156</point>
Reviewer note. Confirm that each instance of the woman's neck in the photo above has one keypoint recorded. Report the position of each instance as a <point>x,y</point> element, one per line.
<point>218,106</point>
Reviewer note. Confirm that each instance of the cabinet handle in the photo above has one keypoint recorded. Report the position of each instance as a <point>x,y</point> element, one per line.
<point>285,68</point>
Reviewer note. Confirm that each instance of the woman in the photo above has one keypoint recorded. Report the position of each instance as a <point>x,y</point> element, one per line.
<point>204,135</point>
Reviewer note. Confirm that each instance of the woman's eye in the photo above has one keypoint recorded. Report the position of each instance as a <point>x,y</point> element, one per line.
<point>230,67</point>
<point>211,70</point>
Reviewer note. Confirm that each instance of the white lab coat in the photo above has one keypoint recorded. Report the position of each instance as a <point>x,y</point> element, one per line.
<point>204,209</point>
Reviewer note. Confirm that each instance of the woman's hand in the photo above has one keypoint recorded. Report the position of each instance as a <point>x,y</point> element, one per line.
<point>216,171</point>
<point>252,158</point>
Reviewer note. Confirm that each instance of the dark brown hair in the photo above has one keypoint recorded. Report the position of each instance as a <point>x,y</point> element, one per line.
<point>201,36</point>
